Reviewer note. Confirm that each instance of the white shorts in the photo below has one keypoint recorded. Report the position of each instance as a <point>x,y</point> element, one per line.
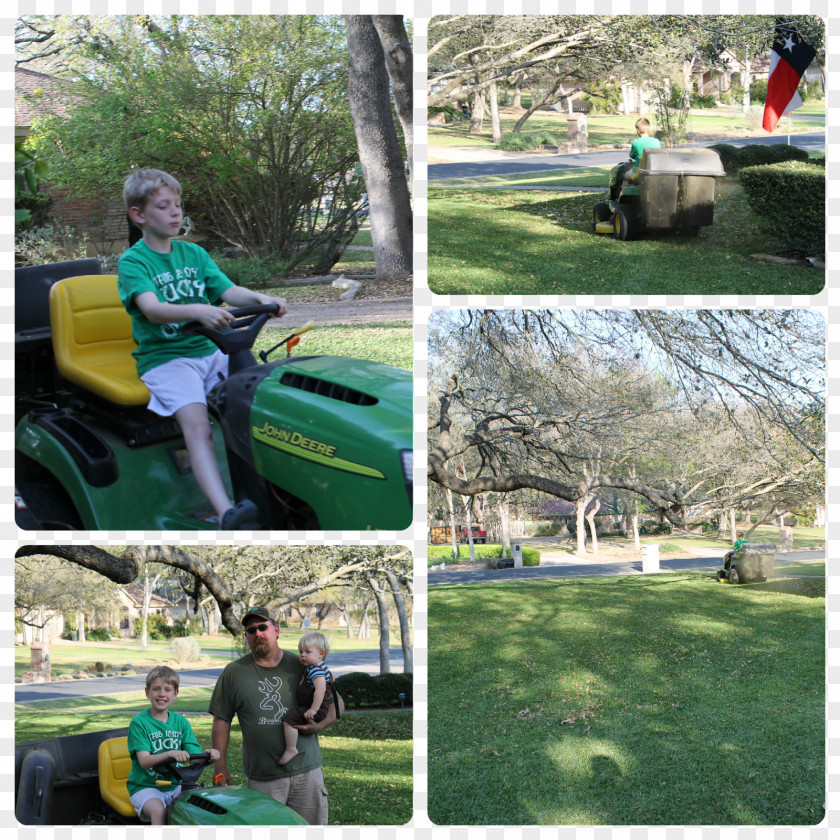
<point>139,799</point>
<point>183,381</point>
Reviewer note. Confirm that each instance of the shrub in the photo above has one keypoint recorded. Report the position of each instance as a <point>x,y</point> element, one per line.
<point>799,219</point>
<point>49,244</point>
<point>156,627</point>
<point>450,112</point>
<point>185,649</point>
<point>758,91</point>
<point>735,158</point>
<point>359,689</point>
<point>193,627</point>
<point>706,100</point>
<point>530,556</point>
<point>248,272</point>
<point>98,634</point>
<point>755,117</point>
<point>527,140</point>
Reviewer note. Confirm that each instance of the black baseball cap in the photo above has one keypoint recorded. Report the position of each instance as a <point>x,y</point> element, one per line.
<point>257,612</point>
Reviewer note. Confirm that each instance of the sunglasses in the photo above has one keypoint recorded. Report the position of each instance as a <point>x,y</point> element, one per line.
<point>252,630</point>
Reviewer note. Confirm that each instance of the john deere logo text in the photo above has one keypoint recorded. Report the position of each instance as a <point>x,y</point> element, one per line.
<point>300,446</point>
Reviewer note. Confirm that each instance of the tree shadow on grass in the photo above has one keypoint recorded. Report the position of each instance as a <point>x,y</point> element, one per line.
<point>627,701</point>
<point>480,243</point>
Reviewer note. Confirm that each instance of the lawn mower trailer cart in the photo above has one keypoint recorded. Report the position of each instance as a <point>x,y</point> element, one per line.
<point>672,190</point>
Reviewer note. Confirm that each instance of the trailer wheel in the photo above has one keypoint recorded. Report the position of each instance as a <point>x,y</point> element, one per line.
<point>626,222</point>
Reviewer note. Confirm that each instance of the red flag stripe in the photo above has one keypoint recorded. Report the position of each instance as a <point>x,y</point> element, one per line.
<point>781,88</point>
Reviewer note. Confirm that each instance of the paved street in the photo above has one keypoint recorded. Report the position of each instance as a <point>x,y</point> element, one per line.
<point>574,567</point>
<point>473,163</point>
<point>338,662</point>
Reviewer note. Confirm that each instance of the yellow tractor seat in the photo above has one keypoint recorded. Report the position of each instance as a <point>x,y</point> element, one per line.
<point>92,341</point>
<point>114,767</point>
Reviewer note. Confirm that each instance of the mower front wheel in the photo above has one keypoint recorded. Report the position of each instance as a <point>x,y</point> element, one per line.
<point>626,222</point>
<point>721,576</point>
<point>601,212</point>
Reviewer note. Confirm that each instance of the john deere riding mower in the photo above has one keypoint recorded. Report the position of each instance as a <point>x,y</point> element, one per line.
<point>317,442</point>
<point>672,190</point>
<point>81,779</point>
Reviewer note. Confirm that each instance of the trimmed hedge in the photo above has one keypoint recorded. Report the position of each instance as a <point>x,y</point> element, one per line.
<point>527,140</point>
<point>735,158</point>
<point>791,198</point>
<point>359,689</point>
<point>530,556</point>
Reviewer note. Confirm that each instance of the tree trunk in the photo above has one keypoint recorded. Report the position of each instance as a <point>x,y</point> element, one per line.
<point>384,625</point>
<point>580,519</point>
<point>550,94</point>
<point>80,626</point>
<point>399,63</point>
<point>379,151</point>
<point>405,628</point>
<point>452,524</point>
<point>494,113</point>
<point>477,113</point>
<point>593,531</point>
<point>517,90</point>
<point>504,518</point>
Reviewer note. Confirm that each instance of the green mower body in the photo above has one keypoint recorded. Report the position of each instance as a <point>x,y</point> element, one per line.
<point>317,443</point>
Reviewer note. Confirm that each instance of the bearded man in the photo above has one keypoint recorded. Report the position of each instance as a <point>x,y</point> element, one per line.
<point>258,690</point>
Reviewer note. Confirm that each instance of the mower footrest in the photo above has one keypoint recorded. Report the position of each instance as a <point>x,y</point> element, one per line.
<point>92,455</point>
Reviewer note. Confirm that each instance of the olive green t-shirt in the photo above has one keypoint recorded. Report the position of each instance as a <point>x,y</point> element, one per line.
<point>185,275</point>
<point>259,697</point>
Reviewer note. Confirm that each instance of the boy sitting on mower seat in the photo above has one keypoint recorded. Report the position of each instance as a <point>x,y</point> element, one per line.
<point>637,147</point>
<point>163,283</point>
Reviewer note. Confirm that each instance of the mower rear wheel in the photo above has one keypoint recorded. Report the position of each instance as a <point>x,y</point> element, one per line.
<point>733,576</point>
<point>626,222</point>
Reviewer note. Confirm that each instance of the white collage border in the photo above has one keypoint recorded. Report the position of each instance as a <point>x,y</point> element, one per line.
<point>828,302</point>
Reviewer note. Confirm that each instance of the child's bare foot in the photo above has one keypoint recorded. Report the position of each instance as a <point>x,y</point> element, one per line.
<point>288,755</point>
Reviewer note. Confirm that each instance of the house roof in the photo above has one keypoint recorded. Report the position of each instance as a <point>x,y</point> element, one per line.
<point>36,95</point>
<point>134,592</point>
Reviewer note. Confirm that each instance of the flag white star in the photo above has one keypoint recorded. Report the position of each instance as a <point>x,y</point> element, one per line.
<point>789,44</point>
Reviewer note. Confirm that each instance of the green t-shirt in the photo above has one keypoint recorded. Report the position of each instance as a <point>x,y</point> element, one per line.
<point>260,697</point>
<point>154,736</point>
<point>639,145</point>
<point>185,275</point>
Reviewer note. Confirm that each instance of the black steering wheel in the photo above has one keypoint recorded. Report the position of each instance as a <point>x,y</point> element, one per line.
<point>236,338</point>
<point>188,774</point>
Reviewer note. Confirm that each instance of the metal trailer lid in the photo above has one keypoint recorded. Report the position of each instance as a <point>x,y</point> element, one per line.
<point>681,162</point>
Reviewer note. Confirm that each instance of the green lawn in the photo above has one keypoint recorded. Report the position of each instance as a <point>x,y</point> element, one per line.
<point>391,343</point>
<point>367,758</point>
<point>642,700</point>
<point>524,242</point>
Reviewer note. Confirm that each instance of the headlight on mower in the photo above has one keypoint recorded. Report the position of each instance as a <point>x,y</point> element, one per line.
<point>407,458</point>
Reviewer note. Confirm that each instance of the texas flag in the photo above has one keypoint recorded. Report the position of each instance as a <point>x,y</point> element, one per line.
<point>789,59</point>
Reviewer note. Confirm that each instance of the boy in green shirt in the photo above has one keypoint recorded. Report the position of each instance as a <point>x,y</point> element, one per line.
<point>154,735</point>
<point>642,142</point>
<point>164,283</point>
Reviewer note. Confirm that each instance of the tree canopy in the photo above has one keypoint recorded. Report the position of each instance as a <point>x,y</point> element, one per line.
<point>238,577</point>
<point>690,410</point>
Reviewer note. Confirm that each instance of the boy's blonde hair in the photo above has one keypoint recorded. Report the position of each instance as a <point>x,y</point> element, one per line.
<point>643,123</point>
<point>165,673</point>
<point>317,639</point>
<point>141,185</point>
